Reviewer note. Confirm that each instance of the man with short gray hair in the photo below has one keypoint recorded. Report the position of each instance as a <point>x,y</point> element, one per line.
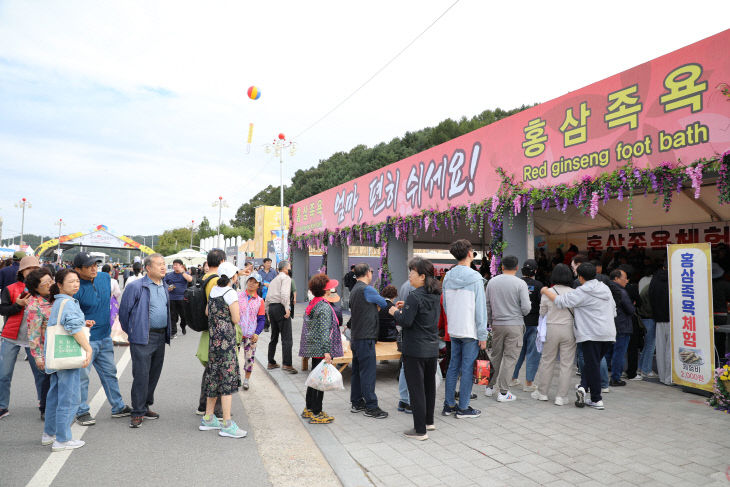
<point>278,300</point>
<point>145,316</point>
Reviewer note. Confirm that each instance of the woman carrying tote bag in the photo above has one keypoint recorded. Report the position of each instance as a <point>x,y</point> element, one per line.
<point>64,396</point>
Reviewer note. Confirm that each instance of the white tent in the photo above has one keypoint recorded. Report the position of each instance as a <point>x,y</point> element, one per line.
<point>189,256</point>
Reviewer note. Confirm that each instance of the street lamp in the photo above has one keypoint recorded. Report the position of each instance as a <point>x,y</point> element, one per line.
<point>23,203</point>
<point>220,203</point>
<point>60,224</point>
<point>279,145</point>
<point>192,232</point>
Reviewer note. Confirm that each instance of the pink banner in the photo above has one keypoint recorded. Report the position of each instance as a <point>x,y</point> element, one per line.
<point>674,108</point>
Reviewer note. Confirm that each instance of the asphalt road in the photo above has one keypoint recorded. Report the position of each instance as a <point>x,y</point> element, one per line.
<point>167,451</point>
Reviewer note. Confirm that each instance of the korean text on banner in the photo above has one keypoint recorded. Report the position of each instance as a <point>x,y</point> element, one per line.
<point>690,291</point>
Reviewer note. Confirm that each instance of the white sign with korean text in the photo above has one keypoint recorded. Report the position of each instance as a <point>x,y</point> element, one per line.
<point>690,291</point>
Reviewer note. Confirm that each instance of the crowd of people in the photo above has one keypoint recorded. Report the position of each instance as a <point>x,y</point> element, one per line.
<point>563,313</point>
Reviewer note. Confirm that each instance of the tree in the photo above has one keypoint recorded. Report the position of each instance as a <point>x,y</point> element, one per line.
<point>173,241</point>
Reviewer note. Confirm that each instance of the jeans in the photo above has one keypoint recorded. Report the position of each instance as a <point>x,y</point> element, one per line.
<point>619,352</point>
<point>176,309</point>
<point>314,397</point>
<point>147,363</point>
<point>280,326</point>
<point>403,386</point>
<point>647,355</point>
<point>591,376</point>
<point>421,378</point>
<point>63,401</point>
<point>8,356</point>
<point>362,383</point>
<point>529,351</point>
<point>603,366</point>
<point>463,354</point>
<point>103,360</point>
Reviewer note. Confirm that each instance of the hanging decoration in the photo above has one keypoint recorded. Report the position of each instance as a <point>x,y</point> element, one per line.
<point>254,93</point>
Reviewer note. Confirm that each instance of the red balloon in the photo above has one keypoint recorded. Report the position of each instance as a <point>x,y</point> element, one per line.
<point>282,136</point>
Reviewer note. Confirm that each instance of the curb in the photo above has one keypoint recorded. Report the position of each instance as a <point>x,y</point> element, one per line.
<point>348,471</point>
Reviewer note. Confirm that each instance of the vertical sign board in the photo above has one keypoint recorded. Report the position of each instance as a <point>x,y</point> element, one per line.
<point>690,299</point>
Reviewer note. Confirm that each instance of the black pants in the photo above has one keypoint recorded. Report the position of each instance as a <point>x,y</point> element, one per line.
<point>632,355</point>
<point>176,310</point>
<point>315,397</point>
<point>45,387</point>
<point>280,325</point>
<point>421,379</point>
<point>146,369</point>
<point>590,377</point>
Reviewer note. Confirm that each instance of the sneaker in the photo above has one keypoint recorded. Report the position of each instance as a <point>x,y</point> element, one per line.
<point>124,412</point>
<point>514,383</point>
<point>150,414</point>
<point>376,413</point>
<point>67,445</point>
<point>358,408</point>
<point>208,423</point>
<point>47,439</point>
<point>232,431</point>
<point>580,397</point>
<point>624,376</point>
<point>488,391</point>
<point>509,397</point>
<point>472,397</point>
<point>85,420</point>
<point>404,407</point>
<point>245,384</point>
<point>321,418</point>
<point>605,390</point>
<point>430,427</point>
<point>560,401</point>
<point>639,376</point>
<point>449,410</point>
<point>306,414</point>
<point>136,421</point>
<point>616,383</point>
<point>540,397</point>
<point>173,336</point>
<point>652,375</point>
<point>412,434</point>
<point>469,412</point>
<point>199,412</point>
<point>594,405</point>
<point>529,388</point>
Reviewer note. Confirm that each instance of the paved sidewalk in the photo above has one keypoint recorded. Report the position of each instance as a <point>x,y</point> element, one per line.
<point>649,434</point>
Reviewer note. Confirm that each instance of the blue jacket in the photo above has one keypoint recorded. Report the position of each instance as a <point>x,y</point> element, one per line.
<point>134,312</point>
<point>9,275</point>
<point>94,299</point>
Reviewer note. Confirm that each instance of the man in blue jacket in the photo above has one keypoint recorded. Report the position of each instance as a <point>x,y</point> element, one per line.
<point>145,316</point>
<point>94,298</point>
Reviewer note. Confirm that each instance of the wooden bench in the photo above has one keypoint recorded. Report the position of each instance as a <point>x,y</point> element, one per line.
<point>383,351</point>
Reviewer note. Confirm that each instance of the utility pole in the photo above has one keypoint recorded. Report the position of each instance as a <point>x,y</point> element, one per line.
<point>220,203</point>
<point>23,204</point>
<point>192,231</point>
<point>60,252</point>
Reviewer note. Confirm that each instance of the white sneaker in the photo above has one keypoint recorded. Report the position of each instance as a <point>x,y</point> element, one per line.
<point>506,397</point>
<point>560,401</point>
<point>594,405</point>
<point>514,383</point>
<point>540,397</point>
<point>652,375</point>
<point>639,376</point>
<point>488,391</point>
<point>47,439</point>
<point>67,445</point>
<point>580,397</point>
<point>605,390</point>
<point>529,388</point>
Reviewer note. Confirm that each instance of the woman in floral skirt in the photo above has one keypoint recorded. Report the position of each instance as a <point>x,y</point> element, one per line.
<point>222,376</point>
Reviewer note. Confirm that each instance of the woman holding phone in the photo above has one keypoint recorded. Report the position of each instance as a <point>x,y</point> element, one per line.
<point>64,395</point>
<point>37,311</point>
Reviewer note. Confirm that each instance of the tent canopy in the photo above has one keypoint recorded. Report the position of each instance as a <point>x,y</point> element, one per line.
<point>189,256</point>
<point>99,236</point>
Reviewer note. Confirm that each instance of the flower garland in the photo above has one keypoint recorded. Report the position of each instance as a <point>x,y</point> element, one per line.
<point>720,399</point>
<point>512,198</point>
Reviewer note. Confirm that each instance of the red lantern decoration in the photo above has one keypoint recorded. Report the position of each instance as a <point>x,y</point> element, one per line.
<point>282,136</point>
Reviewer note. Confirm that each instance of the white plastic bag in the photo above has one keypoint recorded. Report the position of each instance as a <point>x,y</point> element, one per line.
<point>541,334</point>
<point>438,375</point>
<point>345,343</point>
<point>325,377</point>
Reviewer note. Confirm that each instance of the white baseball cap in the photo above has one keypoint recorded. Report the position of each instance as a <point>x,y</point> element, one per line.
<point>227,269</point>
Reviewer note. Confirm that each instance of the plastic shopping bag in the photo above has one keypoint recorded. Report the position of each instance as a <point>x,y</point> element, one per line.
<point>325,377</point>
<point>541,333</point>
<point>482,369</point>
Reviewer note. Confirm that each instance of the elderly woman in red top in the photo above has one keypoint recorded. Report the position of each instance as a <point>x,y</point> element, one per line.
<point>37,311</point>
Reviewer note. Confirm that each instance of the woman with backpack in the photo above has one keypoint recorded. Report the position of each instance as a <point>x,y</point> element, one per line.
<point>64,394</point>
<point>253,319</point>
<point>222,376</point>
<point>321,340</point>
<point>419,319</point>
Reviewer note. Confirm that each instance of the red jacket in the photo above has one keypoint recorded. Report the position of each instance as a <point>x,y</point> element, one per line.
<point>12,322</point>
<point>443,323</point>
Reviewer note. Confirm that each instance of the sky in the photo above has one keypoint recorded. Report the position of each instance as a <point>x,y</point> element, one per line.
<point>134,114</point>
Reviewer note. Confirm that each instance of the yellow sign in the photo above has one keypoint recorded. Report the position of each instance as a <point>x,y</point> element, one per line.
<point>690,306</point>
<point>268,223</point>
